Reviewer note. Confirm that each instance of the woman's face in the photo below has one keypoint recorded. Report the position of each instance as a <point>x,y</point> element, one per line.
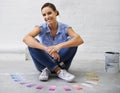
<point>49,15</point>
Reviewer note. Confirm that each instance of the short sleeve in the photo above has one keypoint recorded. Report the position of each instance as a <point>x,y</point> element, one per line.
<point>43,27</point>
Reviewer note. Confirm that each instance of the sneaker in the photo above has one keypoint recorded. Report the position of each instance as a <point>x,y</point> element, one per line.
<point>44,74</point>
<point>63,74</point>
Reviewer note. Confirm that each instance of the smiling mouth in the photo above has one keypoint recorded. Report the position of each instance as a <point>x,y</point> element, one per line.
<point>48,20</point>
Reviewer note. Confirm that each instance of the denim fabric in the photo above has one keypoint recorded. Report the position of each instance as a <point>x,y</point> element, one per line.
<point>42,59</point>
<point>46,38</point>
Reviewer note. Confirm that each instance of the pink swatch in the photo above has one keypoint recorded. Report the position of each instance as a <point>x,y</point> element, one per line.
<point>52,88</point>
<point>40,87</point>
<point>77,87</point>
<point>67,88</point>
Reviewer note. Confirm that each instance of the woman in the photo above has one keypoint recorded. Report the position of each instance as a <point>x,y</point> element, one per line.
<point>58,43</point>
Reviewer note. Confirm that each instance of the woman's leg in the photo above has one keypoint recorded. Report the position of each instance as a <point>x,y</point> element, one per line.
<point>42,59</point>
<point>38,65</point>
<point>67,55</point>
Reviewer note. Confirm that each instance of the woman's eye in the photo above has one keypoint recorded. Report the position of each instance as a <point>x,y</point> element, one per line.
<point>49,13</point>
<point>44,14</point>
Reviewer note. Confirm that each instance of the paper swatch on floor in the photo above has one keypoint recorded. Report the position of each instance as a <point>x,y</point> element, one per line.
<point>17,77</point>
<point>23,83</point>
<point>92,76</point>
<point>52,88</point>
<point>66,88</point>
<point>77,87</point>
<point>87,85</point>
<point>31,85</point>
<point>92,82</point>
<point>40,87</point>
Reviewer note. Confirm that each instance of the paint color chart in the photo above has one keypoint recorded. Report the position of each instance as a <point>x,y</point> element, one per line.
<point>20,79</point>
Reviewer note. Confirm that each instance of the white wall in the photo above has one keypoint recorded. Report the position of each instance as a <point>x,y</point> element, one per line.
<point>97,21</point>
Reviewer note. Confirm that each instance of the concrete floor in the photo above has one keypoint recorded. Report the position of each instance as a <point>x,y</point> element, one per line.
<point>20,76</point>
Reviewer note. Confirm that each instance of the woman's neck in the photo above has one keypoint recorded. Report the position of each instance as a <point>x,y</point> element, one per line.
<point>54,26</point>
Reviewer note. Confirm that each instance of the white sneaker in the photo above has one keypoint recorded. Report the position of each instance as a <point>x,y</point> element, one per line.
<point>63,74</point>
<point>44,74</point>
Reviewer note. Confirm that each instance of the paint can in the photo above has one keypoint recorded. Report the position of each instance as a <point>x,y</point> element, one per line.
<point>112,62</point>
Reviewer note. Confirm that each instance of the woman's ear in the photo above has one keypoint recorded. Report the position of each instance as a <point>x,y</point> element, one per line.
<point>57,13</point>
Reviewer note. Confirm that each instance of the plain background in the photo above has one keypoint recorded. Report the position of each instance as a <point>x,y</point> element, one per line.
<point>97,21</point>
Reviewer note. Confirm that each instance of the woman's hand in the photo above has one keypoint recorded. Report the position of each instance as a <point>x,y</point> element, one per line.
<point>56,56</point>
<point>52,49</point>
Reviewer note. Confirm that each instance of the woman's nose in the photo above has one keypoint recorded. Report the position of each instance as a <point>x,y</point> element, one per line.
<point>47,16</point>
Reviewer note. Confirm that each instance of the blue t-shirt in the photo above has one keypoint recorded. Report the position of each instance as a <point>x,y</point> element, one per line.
<point>46,37</point>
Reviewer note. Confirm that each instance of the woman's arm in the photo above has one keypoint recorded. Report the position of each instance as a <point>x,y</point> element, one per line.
<point>30,40</point>
<point>76,40</point>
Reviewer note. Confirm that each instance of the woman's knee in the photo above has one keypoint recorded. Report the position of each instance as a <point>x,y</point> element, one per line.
<point>30,48</point>
<point>34,49</point>
<point>73,49</point>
